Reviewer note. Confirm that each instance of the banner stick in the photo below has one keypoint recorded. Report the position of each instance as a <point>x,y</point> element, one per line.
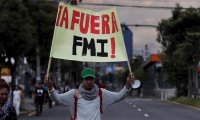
<point>48,68</point>
<point>129,67</point>
<point>136,83</point>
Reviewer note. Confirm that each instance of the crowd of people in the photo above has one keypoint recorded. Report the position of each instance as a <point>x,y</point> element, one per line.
<point>11,99</point>
<point>41,96</point>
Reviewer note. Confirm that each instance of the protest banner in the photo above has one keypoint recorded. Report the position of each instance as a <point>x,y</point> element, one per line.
<point>84,35</point>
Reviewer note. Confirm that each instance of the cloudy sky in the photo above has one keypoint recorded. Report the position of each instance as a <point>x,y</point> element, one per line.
<point>143,16</point>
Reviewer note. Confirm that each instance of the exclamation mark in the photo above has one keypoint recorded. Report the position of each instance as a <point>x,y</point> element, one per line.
<point>58,17</point>
<point>113,47</point>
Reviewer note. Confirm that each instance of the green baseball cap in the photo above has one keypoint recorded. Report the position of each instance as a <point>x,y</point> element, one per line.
<point>88,72</point>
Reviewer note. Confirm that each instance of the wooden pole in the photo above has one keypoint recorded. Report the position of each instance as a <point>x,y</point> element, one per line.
<point>48,68</point>
<point>129,67</point>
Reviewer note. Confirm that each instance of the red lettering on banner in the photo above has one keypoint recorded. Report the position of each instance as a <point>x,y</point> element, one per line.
<point>58,17</point>
<point>114,23</point>
<point>94,24</point>
<point>75,16</point>
<point>105,26</point>
<point>64,18</point>
<point>87,22</point>
<point>84,30</point>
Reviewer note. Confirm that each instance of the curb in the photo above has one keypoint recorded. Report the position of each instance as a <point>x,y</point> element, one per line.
<point>30,111</point>
<point>183,104</point>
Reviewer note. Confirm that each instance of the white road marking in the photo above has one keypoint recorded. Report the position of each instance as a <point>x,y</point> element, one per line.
<point>139,109</point>
<point>146,115</point>
<point>130,103</point>
<point>134,105</point>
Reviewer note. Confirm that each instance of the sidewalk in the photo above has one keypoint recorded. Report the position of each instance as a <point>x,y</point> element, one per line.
<point>28,106</point>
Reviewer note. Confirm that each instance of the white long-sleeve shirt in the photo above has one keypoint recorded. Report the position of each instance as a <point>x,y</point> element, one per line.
<point>88,110</point>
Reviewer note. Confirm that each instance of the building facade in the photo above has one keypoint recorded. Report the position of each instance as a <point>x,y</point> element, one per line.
<point>154,79</point>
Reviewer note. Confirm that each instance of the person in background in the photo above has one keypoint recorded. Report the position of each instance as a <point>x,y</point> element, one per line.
<point>10,93</point>
<point>21,94</point>
<point>7,110</point>
<point>49,100</point>
<point>66,88</point>
<point>102,85</point>
<point>77,86</point>
<point>47,96</point>
<point>45,88</point>
<point>30,90</point>
<point>16,98</point>
<point>58,90</point>
<point>39,98</point>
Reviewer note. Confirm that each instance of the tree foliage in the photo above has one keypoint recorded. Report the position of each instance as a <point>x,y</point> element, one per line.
<point>179,36</point>
<point>43,15</point>
<point>15,30</point>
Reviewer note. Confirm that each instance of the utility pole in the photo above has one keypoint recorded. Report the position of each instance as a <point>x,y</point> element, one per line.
<point>143,54</point>
<point>146,51</point>
<point>38,68</point>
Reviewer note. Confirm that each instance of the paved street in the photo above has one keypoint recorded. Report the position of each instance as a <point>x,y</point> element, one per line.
<point>129,109</point>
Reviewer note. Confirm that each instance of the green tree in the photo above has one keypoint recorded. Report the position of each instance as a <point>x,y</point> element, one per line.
<point>15,30</point>
<point>179,36</point>
<point>43,15</point>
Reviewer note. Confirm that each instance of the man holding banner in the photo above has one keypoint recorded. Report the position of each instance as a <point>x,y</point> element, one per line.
<point>89,101</point>
<point>85,35</point>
